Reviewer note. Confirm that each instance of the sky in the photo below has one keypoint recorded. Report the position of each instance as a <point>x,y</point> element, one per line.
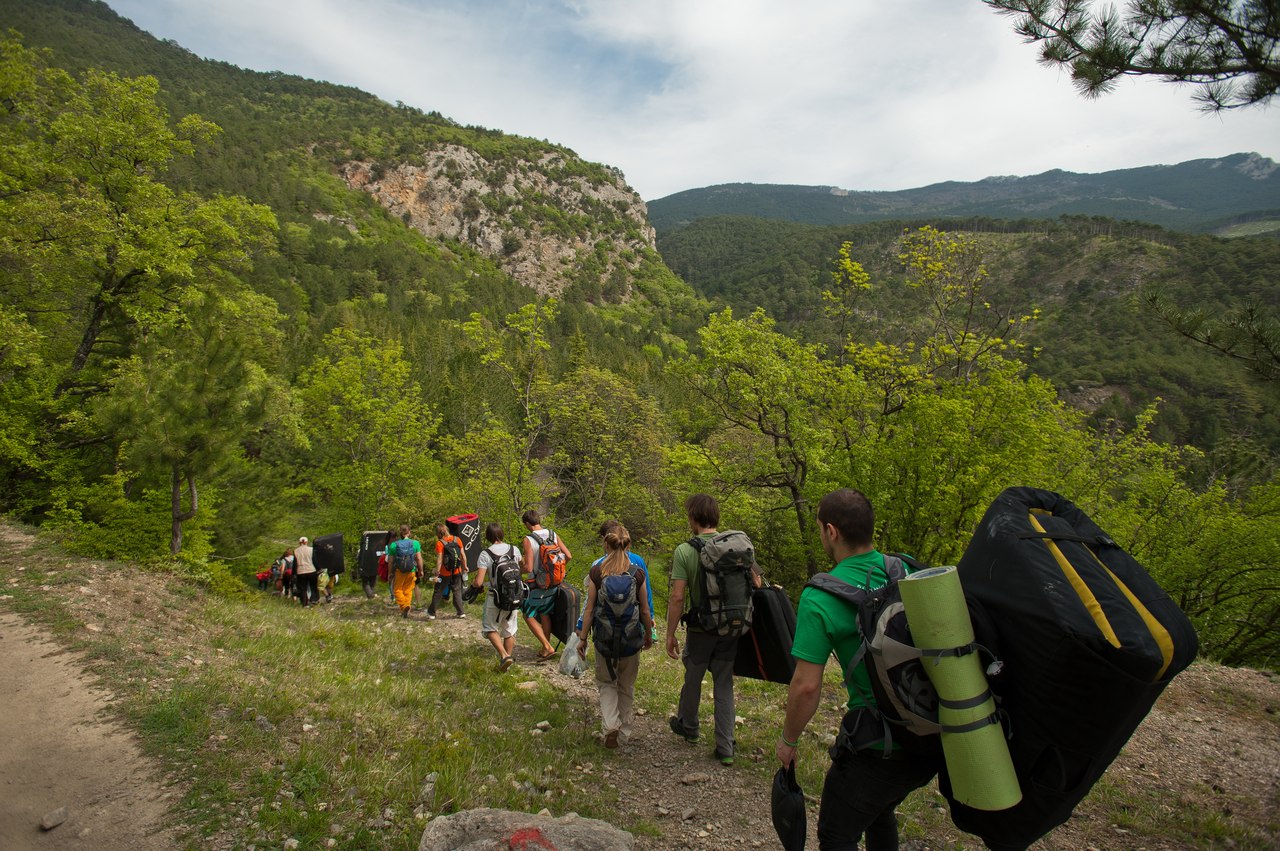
<point>681,94</point>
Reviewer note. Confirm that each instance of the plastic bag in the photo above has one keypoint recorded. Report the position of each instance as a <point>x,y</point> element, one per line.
<point>570,662</point>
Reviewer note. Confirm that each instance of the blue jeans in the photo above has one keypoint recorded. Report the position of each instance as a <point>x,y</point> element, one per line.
<point>860,794</point>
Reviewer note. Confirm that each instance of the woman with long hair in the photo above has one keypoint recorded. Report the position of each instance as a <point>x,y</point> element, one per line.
<point>617,618</point>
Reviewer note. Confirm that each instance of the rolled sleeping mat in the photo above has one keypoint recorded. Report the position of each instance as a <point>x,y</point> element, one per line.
<point>973,742</point>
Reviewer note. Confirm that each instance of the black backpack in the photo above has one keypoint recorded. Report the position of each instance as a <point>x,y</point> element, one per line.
<point>616,628</point>
<point>903,705</point>
<point>452,553</point>
<point>509,589</point>
<point>724,583</point>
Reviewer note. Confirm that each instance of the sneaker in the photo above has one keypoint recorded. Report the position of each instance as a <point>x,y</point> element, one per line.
<point>463,615</point>
<point>611,739</point>
<point>725,759</point>
<point>430,617</point>
<point>678,728</point>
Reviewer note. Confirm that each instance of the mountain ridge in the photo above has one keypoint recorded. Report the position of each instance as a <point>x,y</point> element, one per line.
<point>1192,196</point>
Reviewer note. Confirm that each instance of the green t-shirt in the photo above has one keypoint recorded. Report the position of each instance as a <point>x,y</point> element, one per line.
<point>825,622</point>
<point>685,565</point>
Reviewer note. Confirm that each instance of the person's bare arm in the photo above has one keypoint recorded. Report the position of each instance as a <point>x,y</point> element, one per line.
<point>802,702</point>
<point>675,606</point>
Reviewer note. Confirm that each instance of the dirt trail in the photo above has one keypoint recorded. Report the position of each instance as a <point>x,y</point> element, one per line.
<point>61,749</point>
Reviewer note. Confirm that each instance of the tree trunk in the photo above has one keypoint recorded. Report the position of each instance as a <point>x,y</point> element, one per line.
<point>179,516</point>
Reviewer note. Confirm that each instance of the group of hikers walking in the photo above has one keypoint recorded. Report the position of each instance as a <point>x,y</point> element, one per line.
<point>713,575</point>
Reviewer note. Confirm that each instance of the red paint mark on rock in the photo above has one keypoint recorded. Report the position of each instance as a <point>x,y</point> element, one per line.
<point>529,837</point>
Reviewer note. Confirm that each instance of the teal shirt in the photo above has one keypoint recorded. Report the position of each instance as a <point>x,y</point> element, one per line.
<point>825,623</point>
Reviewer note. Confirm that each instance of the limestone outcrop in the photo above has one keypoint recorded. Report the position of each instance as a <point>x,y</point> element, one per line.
<point>549,223</point>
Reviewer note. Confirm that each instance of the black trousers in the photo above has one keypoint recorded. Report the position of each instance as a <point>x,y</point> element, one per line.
<point>308,588</point>
<point>860,794</point>
<point>454,584</point>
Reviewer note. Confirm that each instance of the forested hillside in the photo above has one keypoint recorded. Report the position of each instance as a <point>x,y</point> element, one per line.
<point>1096,337</point>
<point>235,310</point>
<point>1196,197</point>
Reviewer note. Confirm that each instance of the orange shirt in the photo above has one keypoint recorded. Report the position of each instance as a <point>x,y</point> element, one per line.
<point>444,568</point>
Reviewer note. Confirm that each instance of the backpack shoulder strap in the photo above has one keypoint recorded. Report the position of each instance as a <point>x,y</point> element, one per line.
<point>837,588</point>
<point>850,594</point>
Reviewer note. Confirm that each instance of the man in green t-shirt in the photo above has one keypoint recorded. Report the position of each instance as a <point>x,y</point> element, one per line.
<point>703,651</point>
<point>863,787</point>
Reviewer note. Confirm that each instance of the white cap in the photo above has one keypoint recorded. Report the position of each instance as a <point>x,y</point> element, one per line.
<point>302,540</point>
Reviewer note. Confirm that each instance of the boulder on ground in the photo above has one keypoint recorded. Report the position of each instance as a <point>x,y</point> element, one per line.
<point>498,830</point>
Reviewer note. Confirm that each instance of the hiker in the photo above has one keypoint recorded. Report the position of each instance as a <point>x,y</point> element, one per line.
<point>543,583</point>
<point>704,649</point>
<point>637,560</point>
<point>618,619</point>
<point>264,577</point>
<point>451,565</point>
<point>288,563</point>
<point>500,563</point>
<point>863,785</point>
<point>404,557</point>
<point>305,575</point>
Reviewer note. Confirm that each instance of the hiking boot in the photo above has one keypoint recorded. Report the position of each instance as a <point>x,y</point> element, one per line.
<point>404,613</point>
<point>611,739</point>
<point>725,759</point>
<point>677,727</point>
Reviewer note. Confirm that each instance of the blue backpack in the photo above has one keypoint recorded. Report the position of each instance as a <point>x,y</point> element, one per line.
<point>403,556</point>
<point>616,629</point>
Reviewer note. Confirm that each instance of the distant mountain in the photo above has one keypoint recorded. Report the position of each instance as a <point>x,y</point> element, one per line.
<point>1196,196</point>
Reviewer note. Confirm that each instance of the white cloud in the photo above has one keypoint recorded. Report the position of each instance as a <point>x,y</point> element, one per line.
<point>685,93</point>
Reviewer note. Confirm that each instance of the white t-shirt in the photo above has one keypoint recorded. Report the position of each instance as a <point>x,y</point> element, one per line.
<point>485,562</point>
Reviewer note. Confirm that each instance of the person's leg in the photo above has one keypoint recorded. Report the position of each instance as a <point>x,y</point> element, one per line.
<point>861,793</point>
<point>402,589</point>
<point>535,627</point>
<point>721,666</point>
<point>437,591</point>
<point>627,669</point>
<point>696,658</point>
<point>455,593</point>
<point>607,685</point>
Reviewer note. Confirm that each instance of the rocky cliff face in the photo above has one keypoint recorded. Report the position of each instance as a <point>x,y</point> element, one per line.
<point>549,223</point>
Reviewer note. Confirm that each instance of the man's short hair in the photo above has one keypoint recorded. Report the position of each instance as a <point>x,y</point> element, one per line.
<point>849,511</point>
<point>608,525</point>
<point>703,509</point>
<point>531,517</point>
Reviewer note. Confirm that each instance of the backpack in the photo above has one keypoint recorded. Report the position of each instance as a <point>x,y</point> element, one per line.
<point>452,554</point>
<point>903,704</point>
<point>505,580</point>
<point>548,571</point>
<point>616,628</point>
<point>402,556</point>
<point>724,583</point>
